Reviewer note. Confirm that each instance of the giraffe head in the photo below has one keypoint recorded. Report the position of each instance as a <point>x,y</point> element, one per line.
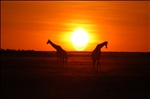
<point>105,43</point>
<point>48,41</point>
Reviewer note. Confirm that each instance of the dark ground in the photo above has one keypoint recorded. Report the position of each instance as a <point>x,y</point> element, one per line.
<point>123,76</point>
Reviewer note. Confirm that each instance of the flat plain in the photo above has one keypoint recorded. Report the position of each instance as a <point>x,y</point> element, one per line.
<point>35,75</point>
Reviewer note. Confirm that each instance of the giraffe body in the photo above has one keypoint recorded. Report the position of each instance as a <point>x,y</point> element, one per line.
<point>96,54</point>
<point>61,53</point>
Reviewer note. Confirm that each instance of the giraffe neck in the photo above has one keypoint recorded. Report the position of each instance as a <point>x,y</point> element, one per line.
<point>102,45</point>
<point>54,45</point>
<point>99,46</point>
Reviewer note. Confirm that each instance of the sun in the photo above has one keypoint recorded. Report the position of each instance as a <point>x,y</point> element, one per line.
<point>80,39</point>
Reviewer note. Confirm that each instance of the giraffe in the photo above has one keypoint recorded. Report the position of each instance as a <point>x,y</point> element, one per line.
<point>96,54</point>
<point>61,54</point>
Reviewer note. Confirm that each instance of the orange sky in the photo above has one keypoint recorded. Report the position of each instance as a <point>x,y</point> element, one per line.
<point>29,24</point>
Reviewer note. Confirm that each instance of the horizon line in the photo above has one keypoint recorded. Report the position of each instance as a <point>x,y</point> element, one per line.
<point>67,51</point>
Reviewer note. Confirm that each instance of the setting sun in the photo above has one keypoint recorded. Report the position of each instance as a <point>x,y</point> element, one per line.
<point>75,26</point>
<point>80,39</point>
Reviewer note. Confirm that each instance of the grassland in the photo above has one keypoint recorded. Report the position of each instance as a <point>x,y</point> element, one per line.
<point>35,75</point>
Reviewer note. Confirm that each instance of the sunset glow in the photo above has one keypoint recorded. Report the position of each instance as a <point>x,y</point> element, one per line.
<point>79,39</point>
<point>28,25</point>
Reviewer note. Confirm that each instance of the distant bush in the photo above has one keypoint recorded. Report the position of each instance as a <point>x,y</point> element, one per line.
<point>25,53</point>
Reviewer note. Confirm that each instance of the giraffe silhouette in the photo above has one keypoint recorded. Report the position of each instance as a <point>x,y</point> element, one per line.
<point>61,54</point>
<point>96,54</point>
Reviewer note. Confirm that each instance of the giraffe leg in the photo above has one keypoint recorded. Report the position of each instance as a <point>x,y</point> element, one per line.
<point>60,62</point>
<point>66,61</point>
<point>93,65</point>
<point>63,61</point>
<point>98,65</point>
<point>57,61</point>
